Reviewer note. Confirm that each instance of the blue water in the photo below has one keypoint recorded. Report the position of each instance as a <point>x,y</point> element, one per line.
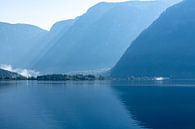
<point>97,105</point>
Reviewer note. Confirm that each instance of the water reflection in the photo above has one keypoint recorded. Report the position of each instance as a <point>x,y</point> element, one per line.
<point>168,105</point>
<point>97,105</point>
<point>62,105</point>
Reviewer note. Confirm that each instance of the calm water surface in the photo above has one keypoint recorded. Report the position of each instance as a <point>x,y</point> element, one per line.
<point>97,105</point>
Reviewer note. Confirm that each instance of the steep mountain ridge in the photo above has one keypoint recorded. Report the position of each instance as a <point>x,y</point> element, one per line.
<point>98,38</point>
<point>165,49</point>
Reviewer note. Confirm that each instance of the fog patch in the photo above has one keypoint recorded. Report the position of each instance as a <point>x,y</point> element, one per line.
<point>24,72</point>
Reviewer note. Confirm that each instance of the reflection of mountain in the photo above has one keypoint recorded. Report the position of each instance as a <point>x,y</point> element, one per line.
<point>87,104</point>
<point>160,107</point>
<point>74,105</point>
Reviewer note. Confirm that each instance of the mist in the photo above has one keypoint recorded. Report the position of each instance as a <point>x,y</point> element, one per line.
<point>24,72</point>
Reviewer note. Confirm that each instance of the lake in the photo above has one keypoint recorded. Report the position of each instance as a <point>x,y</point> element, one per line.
<point>97,105</point>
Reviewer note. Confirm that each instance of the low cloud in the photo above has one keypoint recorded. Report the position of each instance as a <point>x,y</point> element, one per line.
<point>24,72</point>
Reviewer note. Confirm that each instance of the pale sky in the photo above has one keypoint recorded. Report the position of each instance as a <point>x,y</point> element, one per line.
<point>44,13</point>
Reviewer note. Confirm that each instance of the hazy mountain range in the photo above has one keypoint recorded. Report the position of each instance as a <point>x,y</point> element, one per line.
<point>165,49</point>
<point>16,41</point>
<point>95,40</point>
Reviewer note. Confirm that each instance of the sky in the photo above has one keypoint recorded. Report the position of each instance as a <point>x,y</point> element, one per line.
<point>44,13</point>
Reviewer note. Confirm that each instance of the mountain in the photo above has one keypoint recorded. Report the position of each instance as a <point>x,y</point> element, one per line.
<point>16,41</point>
<point>61,26</point>
<point>97,39</point>
<point>165,49</point>
<point>47,41</point>
<point>9,75</point>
